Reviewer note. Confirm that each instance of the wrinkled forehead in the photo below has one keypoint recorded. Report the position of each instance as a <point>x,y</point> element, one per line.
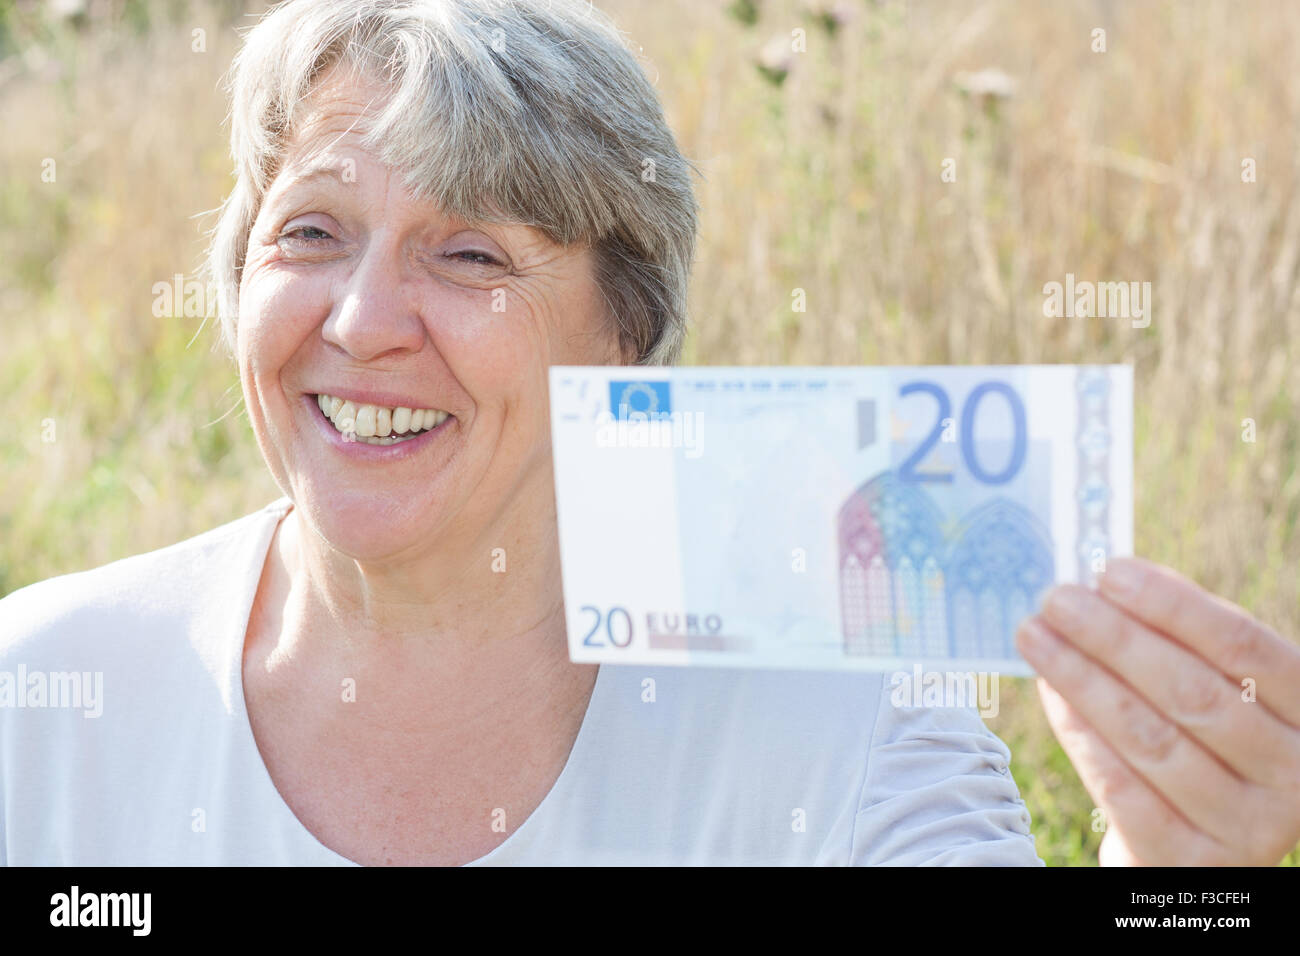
<point>342,108</point>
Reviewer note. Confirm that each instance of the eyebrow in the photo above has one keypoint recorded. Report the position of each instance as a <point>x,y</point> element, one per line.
<point>327,170</point>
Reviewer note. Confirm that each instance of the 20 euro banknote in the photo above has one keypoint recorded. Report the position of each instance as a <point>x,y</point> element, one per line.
<point>837,518</point>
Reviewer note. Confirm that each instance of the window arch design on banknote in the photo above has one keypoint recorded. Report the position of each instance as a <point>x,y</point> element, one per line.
<point>999,567</point>
<point>891,577</point>
<point>908,590</point>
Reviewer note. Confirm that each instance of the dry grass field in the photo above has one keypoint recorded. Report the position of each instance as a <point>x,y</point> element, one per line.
<point>126,430</point>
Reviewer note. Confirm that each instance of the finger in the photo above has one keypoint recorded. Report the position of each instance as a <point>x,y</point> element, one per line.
<point>1114,851</point>
<point>1152,828</point>
<point>1224,634</point>
<point>1179,684</point>
<point>1206,792</point>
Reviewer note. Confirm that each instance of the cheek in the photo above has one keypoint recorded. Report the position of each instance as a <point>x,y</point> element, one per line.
<point>277,312</point>
<point>501,360</point>
<point>496,355</point>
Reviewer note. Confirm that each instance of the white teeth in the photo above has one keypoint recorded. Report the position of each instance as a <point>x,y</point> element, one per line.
<point>366,421</point>
<point>375,424</point>
<point>401,420</point>
<point>392,440</point>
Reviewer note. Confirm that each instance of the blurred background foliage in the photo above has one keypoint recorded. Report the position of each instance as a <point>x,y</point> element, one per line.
<point>821,172</point>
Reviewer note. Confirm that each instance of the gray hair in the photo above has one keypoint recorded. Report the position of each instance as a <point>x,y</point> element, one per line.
<point>523,111</point>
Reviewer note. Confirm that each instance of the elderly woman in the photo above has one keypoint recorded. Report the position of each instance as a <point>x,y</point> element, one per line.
<point>436,201</point>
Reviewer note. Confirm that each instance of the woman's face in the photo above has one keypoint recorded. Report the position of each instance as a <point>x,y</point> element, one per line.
<point>353,290</point>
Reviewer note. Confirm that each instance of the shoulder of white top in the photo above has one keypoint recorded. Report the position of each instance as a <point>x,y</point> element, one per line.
<point>151,584</point>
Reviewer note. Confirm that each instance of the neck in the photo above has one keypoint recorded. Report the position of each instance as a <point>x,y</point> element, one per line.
<point>439,686</point>
<point>466,608</point>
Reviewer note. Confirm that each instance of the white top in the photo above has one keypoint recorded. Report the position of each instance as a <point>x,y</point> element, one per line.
<point>722,767</point>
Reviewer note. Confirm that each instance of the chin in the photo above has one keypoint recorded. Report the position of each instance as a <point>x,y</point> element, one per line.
<point>368,524</point>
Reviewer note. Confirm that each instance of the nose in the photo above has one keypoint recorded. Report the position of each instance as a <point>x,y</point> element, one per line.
<point>375,313</point>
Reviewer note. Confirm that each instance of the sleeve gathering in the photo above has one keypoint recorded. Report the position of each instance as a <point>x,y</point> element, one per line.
<point>938,791</point>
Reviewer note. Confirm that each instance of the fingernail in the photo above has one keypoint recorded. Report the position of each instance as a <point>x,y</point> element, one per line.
<point>1121,579</point>
<point>1065,606</point>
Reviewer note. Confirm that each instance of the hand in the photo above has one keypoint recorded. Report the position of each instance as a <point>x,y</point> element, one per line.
<point>1147,685</point>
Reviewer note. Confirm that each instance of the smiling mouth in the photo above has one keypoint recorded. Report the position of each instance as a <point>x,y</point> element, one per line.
<point>377,424</point>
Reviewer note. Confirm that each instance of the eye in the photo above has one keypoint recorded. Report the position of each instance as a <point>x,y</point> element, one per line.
<point>475,258</point>
<point>293,234</point>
